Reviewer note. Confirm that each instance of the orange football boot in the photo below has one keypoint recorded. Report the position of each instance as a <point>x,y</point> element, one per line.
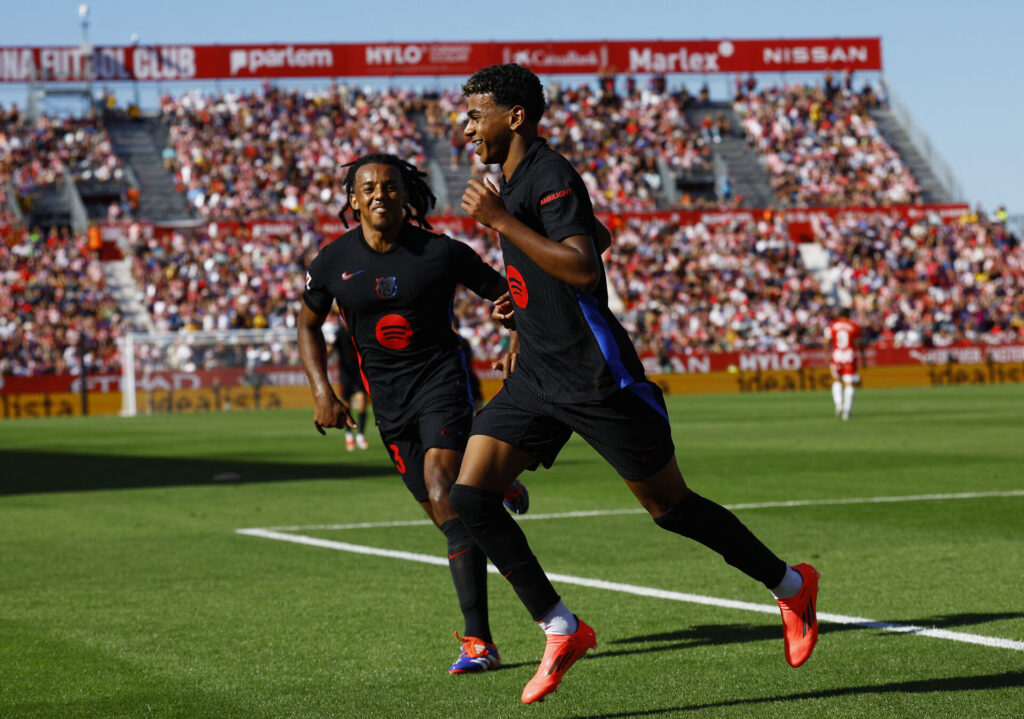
<point>560,653</point>
<point>800,617</point>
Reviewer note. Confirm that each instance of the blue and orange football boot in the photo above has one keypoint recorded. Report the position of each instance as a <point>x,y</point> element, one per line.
<point>517,499</point>
<point>476,656</point>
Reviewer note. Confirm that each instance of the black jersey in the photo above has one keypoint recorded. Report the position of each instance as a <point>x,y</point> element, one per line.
<point>398,307</point>
<point>572,348</point>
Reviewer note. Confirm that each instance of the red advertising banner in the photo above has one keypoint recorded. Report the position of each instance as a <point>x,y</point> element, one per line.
<point>1001,360</point>
<point>212,62</point>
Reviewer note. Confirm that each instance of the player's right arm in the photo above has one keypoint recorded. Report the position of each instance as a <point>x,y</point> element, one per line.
<point>328,409</point>
<point>574,260</point>
<point>507,364</point>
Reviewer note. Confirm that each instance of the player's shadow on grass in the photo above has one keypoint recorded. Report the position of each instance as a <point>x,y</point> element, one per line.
<point>714,634</point>
<point>921,686</point>
<point>35,472</point>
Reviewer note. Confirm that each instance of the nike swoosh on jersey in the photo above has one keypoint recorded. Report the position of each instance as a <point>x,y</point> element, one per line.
<point>350,275</point>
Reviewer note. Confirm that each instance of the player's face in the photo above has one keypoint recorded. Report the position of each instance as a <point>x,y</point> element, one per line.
<point>378,195</point>
<point>488,128</point>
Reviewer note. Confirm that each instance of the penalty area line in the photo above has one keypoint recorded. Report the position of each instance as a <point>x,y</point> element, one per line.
<point>638,510</point>
<point>651,592</point>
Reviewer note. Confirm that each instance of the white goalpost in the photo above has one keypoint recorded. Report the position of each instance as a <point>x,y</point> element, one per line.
<point>208,366</point>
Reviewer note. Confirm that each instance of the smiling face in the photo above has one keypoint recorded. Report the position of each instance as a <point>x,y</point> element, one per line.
<point>489,128</point>
<point>378,196</point>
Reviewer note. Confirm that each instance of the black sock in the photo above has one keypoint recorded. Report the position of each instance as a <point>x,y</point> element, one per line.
<point>505,544</point>
<point>469,574</point>
<point>716,527</point>
<point>361,421</point>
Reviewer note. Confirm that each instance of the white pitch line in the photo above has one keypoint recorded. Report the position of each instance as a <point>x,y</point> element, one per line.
<point>652,592</point>
<point>637,510</point>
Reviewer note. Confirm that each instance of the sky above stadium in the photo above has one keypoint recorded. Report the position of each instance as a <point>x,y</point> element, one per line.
<point>952,63</point>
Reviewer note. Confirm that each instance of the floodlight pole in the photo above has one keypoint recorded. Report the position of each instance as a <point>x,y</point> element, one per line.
<point>86,50</point>
<point>135,81</point>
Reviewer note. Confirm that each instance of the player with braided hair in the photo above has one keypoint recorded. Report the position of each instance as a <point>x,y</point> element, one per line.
<point>394,284</point>
<point>420,197</point>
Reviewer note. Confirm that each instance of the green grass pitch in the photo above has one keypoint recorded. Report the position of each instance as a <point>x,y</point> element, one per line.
<point>126,591</point>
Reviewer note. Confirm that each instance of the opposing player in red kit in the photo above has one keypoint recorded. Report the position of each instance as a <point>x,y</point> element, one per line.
<point>577,371</point>
<point>394,283</point>
<point>843,347</point>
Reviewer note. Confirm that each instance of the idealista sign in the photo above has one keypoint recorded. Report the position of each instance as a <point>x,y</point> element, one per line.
<point>209,62</point>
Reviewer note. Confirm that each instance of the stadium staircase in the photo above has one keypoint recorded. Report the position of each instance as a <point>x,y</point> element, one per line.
<point>447,182</point>
<point>121,284</point>
<point>747,175</point>
<point>140,143</point>
<point>896,135</point>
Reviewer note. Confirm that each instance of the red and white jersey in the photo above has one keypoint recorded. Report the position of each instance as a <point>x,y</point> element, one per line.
<point>842,335</point>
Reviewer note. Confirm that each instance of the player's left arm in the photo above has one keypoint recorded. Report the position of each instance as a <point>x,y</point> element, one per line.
<point>574,260</point>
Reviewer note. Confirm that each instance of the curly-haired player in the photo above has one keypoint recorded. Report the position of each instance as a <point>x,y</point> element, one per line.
<point>577,372</point>
<point>394,284</point>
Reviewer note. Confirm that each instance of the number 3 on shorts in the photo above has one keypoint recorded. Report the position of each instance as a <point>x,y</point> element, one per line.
<point>399,462</point>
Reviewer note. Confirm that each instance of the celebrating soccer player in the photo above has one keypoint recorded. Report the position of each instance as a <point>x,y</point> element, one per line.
<point>394,284</point>
<point>577,372</point>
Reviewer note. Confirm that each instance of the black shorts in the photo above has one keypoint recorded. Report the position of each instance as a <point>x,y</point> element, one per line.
<point>446,426</point>
<point>629,428</point>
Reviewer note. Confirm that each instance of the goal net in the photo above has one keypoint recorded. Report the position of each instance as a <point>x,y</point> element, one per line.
<point>179,372</point>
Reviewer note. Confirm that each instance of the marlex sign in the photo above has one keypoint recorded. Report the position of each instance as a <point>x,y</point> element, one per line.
<point>208,62</point>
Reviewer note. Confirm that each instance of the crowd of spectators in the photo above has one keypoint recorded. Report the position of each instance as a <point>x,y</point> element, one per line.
<point>54,304</point>
<point>740,286</point>
<point>926,283</point>
<point>36,153</point>
<point>820,146</point>
<point>278,153</point>
<point>678,289</point>
<point>229,279</point>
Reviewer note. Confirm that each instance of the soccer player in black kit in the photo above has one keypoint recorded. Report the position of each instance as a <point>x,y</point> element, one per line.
<point>395,284</point>
<point>577,371</point>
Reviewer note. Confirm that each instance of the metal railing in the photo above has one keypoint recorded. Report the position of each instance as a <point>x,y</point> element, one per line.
<point>12,203</point>
<point>936,163</point>
<point>669,191</point>
<point>73,199</point>
<point>438,182</point>
<point>721,176</point>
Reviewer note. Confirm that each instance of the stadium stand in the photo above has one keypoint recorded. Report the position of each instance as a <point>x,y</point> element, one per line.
<point>929,284</point>
<point>821,146</point>
<point>230,281</point>
<point>53,162</point>
<point>55,304</point>
<point>276,153</point>
<point>739,285</point>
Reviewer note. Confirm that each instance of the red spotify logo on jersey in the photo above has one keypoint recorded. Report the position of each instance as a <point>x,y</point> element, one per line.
<point>394,332</point>
<point>517,287</point>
